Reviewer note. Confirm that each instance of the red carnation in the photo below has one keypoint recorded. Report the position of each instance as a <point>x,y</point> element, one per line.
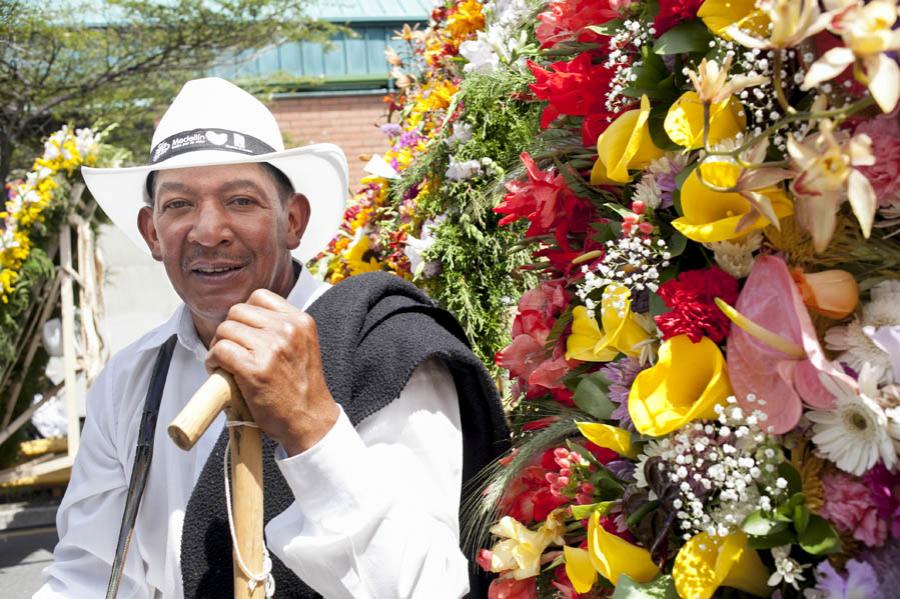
<point>694,312</point>
<point>675,12</point>
<point>547,202</point>
<point>576,88</point>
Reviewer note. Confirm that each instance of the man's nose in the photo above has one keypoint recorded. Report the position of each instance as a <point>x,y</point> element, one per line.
<point>211,226</point>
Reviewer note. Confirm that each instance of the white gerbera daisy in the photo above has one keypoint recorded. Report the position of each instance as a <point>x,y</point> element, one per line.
<point>854,435</point>
<point>856,346</point>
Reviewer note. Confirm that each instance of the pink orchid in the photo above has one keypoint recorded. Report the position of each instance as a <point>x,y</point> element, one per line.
<point>780,359</point>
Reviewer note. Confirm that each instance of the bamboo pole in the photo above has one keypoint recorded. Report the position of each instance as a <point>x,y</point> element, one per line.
<point>68,337</point>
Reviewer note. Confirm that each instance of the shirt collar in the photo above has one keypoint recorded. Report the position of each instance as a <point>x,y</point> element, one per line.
<point>304,292</point>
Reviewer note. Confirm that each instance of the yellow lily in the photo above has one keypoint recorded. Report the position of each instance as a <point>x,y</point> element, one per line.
<point>705,563</point>
<point>685,385</point>
<point>621,329</point>
<point>610,437</point>
<point>711,215</point>
<point>613,556</point>
<point>579,569</point>
<point>626,144</point>
<point>684,121</point>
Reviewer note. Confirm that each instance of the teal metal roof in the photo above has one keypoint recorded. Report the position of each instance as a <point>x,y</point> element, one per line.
<point>371,11</point>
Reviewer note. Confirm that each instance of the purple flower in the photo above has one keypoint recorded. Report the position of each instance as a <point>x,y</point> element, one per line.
<point>884,562</point>
<point>861,581</point>
<point>408,139</point>
<point>391,129</point>
<point>621,375</point>
<point>885,487</point>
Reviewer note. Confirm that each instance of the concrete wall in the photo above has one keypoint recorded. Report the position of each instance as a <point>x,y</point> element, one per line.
<point>348,121</point>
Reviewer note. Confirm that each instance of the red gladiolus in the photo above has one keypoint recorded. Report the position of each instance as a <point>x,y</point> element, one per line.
<point>674,12</point>
<point>510,588</point>
<point>567,20</point>
<point>694,312</point>
<point>577,88</point>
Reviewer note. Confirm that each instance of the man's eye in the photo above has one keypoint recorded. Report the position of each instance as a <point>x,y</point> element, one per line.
<point>175,204</point>
<point>242,201</point>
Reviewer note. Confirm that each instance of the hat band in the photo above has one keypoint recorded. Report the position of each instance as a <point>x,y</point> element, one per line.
<point>208,139</point>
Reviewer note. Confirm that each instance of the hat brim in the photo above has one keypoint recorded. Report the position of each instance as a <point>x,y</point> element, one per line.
<point>318,171</point>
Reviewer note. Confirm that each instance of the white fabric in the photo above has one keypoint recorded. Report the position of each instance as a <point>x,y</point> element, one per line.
<point>376,507</point>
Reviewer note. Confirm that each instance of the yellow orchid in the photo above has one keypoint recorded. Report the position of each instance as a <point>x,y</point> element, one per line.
<point>685,385</point>
<point>705,563</point>
<point>613,556</point>
<point>792,21</point>
<point>684,121</point>
<point>610,437</point>
<point>521,550</point>
<point>719,15</point>
<point>626,144</point>
<point>712,84</point>
<point>828,177</point>
<point>868,33</point>
<point>579,569</point>
<point>622,331</point>
<point>711,215</point>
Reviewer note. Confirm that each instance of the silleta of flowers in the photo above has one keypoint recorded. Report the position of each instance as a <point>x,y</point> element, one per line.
<point>64,152</point>
<point>705,373</point>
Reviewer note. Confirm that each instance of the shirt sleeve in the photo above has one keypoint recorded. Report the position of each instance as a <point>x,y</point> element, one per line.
<point>375,510</point>
<point>89,516</point>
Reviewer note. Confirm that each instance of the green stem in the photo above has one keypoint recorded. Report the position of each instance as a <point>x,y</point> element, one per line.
<point>778,84</point>
<point>642,511</point>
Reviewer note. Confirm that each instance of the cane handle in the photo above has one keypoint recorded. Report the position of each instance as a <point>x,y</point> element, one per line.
<point>195,417</point>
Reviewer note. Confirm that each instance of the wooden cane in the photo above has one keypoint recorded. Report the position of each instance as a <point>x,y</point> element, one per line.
<point>219,393</point>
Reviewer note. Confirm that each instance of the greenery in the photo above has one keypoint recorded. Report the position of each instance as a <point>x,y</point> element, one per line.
<point>121,60</point>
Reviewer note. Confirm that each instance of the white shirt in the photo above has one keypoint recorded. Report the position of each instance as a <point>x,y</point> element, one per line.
<point>375,511</point>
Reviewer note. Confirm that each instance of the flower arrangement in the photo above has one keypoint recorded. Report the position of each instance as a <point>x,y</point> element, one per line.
<point>64,152</point>
<point>709,366</point>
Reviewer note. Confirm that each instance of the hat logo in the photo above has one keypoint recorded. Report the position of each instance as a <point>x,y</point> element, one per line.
<point>216,138</point>
<point>160,150</point>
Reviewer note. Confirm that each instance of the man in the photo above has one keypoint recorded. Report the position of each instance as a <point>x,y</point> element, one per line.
<point>365,390</point>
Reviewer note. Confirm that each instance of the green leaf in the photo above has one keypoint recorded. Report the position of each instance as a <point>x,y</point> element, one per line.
<point>581,512</point>
<point>801,518</point>
<point>656,126</point>
<point>662,587</point>
<point>609,28</point>
<point>592,396</point>
<point>653,79</point>
<point>690,36</point>
<point>677,243</point>
<point>792,476</point>
<point>819,538</point>
<point>657,305</point>
<point>758,524</point>
<point>777,539</point>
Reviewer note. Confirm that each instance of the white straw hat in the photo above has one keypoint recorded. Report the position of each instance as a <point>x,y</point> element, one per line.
<point>212,122</point>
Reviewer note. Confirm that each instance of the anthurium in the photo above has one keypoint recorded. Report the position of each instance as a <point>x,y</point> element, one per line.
<point>711,215</point>
<point>613,556</point>
<point>579,569</point>
<point>626,144</point>
<point>622,331</point>
<point>705,563</point>
<point>684,121</point>
<point>685,385</point>
<point>608,436</point>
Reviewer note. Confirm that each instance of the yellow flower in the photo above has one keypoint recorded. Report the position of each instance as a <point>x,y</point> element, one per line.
<point>356,256</point>
<point>521,550</point>
<point>685,385</point>
<point>705,563</point>
<point>610,437</point>
<point>684,121</point>
<point>711,215</point>
<point>718,15</point>
<point>626,144</point>
<point>621,330</point>
<point>613,556</point>
<point>792,21</point>
<point>467,18</point>
<point>868,33</point>
<point>828,177</point>
<point>579,569</point>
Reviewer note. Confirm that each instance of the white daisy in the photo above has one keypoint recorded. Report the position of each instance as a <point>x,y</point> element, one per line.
<point>854,435</point>
<point>856,346</point>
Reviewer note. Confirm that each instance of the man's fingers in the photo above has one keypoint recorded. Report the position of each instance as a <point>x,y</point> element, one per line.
<point>229,356</point>
<point>271,301</point>
<point>254,316</point>
<point>247,336</point>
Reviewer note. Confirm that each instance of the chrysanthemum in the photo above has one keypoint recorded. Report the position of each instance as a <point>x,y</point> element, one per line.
<point>854,435</point>
<point>856,346</point>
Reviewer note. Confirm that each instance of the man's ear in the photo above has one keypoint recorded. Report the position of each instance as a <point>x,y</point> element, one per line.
<point>298,211</point>
<point>148,232</point>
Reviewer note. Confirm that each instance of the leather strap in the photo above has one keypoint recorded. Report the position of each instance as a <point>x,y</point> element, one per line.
<point>142,455</point>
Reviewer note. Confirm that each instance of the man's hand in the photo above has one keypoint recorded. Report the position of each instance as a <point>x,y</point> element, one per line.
<point>272,350</point>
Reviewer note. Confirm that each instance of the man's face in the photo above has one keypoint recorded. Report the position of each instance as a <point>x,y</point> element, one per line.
<point>222,232</point>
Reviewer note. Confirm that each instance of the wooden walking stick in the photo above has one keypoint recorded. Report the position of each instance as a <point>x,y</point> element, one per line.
<point>219,393</point>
